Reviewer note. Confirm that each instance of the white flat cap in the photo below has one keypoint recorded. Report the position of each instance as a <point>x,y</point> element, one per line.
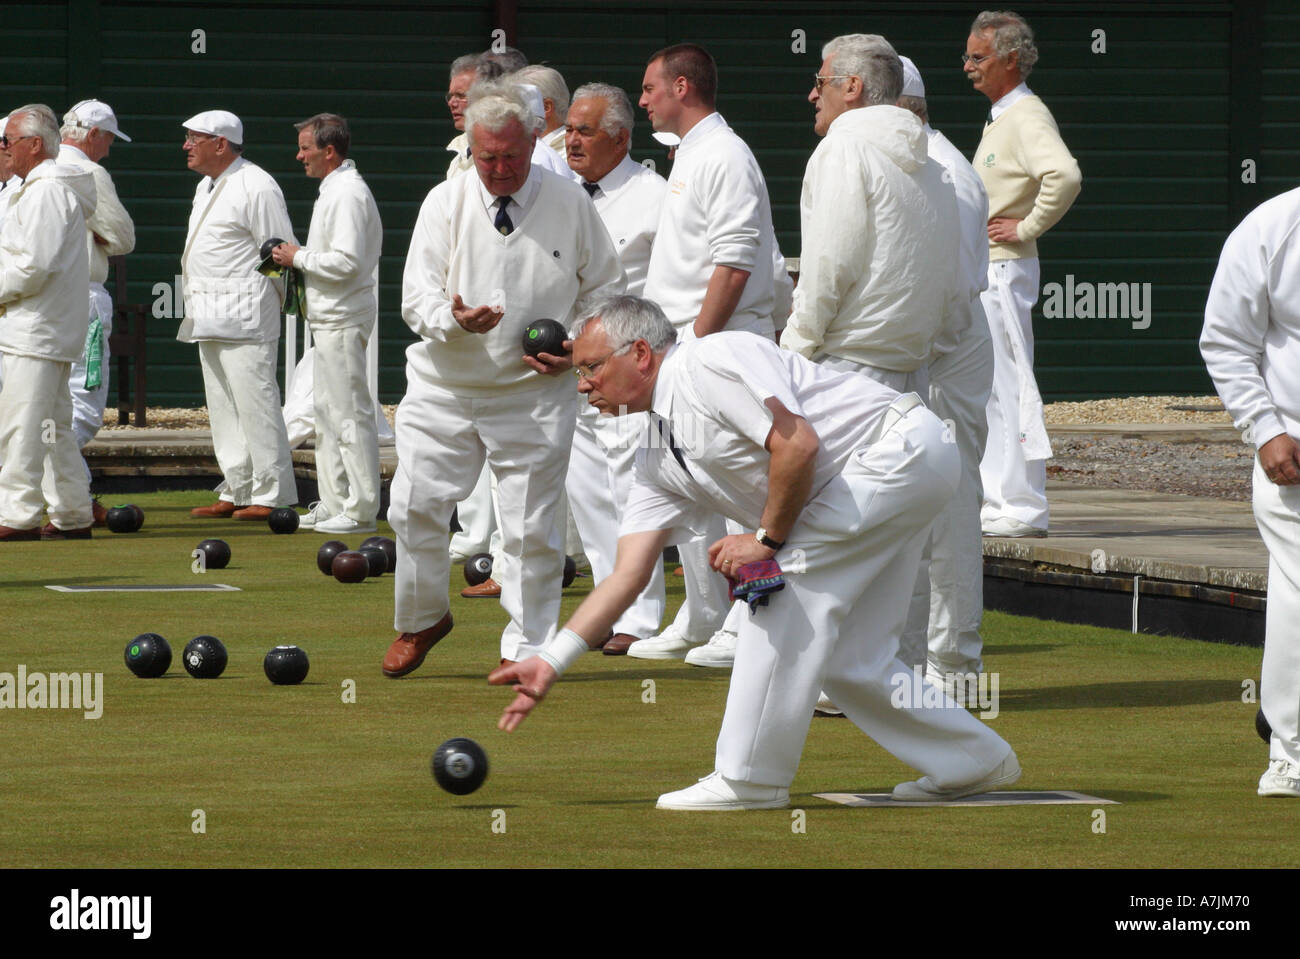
<point>95,113</point>
<point>217,123</point>
<point>913,86</point>
<point>533,97</point>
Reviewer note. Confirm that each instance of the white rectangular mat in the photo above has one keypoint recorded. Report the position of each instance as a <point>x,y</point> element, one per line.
<point>207,588</point>
<point>1007,797</point>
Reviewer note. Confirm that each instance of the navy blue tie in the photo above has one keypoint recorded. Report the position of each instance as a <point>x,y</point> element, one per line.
<point>591,188</point>
<point>503,223</point>
<point>666,436</point>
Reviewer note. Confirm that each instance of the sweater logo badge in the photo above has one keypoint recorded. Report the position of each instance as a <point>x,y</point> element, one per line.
<point>555,253</point>
<point>988,160</point>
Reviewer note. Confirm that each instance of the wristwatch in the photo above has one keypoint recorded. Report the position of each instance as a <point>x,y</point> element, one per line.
<point>765,540</point>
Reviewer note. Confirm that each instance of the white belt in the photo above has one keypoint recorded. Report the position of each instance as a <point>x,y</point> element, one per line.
<point>897,410</point>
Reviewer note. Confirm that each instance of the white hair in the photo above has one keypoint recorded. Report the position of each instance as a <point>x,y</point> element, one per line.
<point>493,104</point>
<point>618,106</point>
<point>871,59</point>
<point>627,319</point>
<point>38,120</point>
<point>549,82</point>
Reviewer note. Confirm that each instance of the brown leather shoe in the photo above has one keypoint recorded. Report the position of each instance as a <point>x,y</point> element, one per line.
<point>10,535</point>
<point>221,509</point>
<point>488,589</point>
<point>50,531</point>
<point>99,513</point>
<point>617,644</point>
<point>408,650</point>
<point>252,512</point>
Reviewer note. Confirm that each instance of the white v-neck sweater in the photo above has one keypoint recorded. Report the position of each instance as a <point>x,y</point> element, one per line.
<point>558,258</point>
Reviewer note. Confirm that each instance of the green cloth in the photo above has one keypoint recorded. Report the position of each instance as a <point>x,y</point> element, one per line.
<point>95,354</point>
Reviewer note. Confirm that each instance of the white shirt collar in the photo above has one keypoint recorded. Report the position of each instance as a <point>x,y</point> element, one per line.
<point>520,201</point>
<point>616,178</point>
<point>345,165</point>
<point>77,150</point>
<point>1008,100</point>
<point>701,130</point>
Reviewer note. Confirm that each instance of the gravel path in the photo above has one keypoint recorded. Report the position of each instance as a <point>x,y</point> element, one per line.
<point>1216,469</point>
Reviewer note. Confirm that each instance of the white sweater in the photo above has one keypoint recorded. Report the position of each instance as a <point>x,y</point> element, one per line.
<point>716,213</point>
<point>110,221</point>
<point>880,236</point>
<point>1251,339</point>
<point>558,258</point>
<point>342,251</point>
<point>44,268</point>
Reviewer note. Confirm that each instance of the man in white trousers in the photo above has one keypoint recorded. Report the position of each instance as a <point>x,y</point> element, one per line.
<point>711,269</point>
<point>233,313</point>
<point>628,197</point>
<point>44,276</point>
<point>88,131</point>
<point>338,265</point>
<point>1251,346</point>
<point>943,627</point>
<point>875,289</point>
<point>1031,180</point>
<point>490,253</point>
<point>841,505</point>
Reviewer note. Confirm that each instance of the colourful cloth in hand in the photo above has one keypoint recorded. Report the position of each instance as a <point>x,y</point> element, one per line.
<point>754,582</point>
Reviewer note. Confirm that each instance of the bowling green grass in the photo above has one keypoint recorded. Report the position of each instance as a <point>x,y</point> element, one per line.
<point>296,776</point>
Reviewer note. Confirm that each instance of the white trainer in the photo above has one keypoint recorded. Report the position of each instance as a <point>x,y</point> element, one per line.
<point>1281,779</point>
<point>825,707</point>
<point>343,524</point>
<point>1006,526</point>
<point>714,793</point>
<point>924,789</point>
<point>719,652</point>
<point>670,644</point>
<point>316,513</point>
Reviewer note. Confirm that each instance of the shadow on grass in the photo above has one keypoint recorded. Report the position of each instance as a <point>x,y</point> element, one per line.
<point>1178,692</point>
<point>1012,649</point>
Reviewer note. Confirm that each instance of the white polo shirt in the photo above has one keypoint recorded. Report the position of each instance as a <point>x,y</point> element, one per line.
<point>712,392</point>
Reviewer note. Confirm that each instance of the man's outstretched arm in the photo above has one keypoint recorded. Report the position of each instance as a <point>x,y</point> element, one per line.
<point>533,677</point>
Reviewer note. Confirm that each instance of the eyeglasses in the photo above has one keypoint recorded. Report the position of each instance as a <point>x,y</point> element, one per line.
<point>462,97</point>
<point>6,143</point>
<point>592,370</point>
<point>821,80</point>
<point>976,59</point>
<point>198,137</point>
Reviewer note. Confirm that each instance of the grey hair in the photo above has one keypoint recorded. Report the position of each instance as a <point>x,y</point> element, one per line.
<point>73,129</point>
<point>38,120</point>
<point>508,59</point>
<point>493,104</point>
<point>550,82</point>
<point>627,319</point>
<point>873,60</point>
<point>917,105</point>
<point>1010,33</point>
<point>469,63</point>
<point>618,110</point>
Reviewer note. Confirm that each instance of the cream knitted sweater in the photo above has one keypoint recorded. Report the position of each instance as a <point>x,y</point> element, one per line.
<point>1028,172</point>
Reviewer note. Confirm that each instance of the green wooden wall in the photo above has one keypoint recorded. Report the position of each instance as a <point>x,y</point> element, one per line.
<point>1161,122</point>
